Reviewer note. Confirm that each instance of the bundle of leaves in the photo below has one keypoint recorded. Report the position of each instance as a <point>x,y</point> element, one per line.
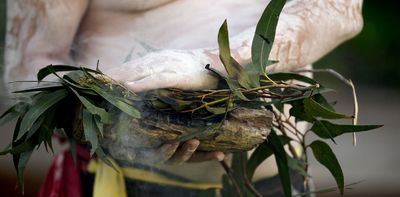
<point>48,108</point>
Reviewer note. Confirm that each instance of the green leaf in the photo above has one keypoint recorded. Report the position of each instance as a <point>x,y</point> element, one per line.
<point>40,88</point>
<point>234,87</point>
<point>276,145</point>
<point>100,154</point>
<point>90,130</point>
<point>291,76</point>
<point>324,129</point>
<point>43,102</point>
<point>50,69</point>
<point>261,153</point>
<point>315,109</point>
<point>13,112</point>
<point>238,169</point>
<point>265,34</point>
<point>233,68</point>
<point>93,109</point>
<point>325,156</point>
<point>298,166</point>
<point>298,111</point>
<point>117,102</point>
<point>167,97</point>
<point>22,159</point>
<point>319,98</point>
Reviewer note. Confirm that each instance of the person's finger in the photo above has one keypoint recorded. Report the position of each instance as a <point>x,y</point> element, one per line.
<point>166,151</point>
<point>159,155</point>
<point>185,152</point>
<point>207,156</point>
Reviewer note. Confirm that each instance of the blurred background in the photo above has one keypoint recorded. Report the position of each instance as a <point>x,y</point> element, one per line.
<point>370,60</point>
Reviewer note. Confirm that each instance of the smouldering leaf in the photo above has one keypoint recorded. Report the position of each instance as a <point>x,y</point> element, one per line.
<point>324,155</point>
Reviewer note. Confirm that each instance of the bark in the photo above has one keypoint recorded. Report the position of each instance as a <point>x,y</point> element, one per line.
<point>242,130</point>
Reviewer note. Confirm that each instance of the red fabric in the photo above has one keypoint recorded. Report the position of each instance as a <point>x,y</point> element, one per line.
<point>63,178</point>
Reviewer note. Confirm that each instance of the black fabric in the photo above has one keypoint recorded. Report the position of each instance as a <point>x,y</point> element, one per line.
<point>269,187</point>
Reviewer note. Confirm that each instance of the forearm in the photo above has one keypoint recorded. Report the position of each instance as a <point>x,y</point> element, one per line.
<point>39,33</point>
<point>307,30</point>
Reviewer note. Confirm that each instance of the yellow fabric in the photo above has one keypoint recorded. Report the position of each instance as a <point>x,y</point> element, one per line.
<point>137,174</point>
<point>109,182</point>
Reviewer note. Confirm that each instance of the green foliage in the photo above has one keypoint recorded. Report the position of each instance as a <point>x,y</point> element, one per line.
<point>326,157</point>
<point>101,99</point>
<point>265,35</point>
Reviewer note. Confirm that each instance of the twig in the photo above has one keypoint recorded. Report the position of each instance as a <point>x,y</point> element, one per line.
<point>229,172</point>
<point>246,179</point>
<point>347,82</point>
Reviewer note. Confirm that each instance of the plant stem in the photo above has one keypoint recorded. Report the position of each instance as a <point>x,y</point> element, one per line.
<point>246,179</point>
<point>229,172</point>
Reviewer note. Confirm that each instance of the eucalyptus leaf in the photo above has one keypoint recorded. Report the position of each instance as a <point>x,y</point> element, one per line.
<point>265,35</point>
<point>23,159</point>
<point>90,130</point>
<point>238,169</point>
<point>41,88</point>
<point>167,97</point>
<point>261,153</point>
<point>233,68</point>
<point>319,98</point>
<point>43,102</point>
<point>13,112</point>
<point>298,166</point>
<point>324,155</point>
<point>93,109</point>
<point>276,146</point>
<point>291,76</point>
<point>50,69</point>
<point>100,154</point>
<point>325,129</point>
<point>315,109</point>
<point>117,102</point>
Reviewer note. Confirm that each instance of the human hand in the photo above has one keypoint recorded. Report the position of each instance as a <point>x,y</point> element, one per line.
<point>170,153</point>
<point>179,153</point>
<point>166,69</point>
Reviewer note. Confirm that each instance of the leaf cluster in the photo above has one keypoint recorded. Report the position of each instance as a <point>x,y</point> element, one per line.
<point>98,100</point>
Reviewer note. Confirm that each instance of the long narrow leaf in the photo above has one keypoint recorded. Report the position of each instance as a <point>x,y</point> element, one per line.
<point>265,34</point>
<point>315,109</point>
<point>261,153</point>
<point>233,68</point>
<point>276,145</point>
<point>324,155</point>
<point>325,129</point>
<point>13,112</point>
<point>90,130</point>
<point>44,101</point>
<point>128,109</point>
<point>93,109</point>
<point>50,69</point>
